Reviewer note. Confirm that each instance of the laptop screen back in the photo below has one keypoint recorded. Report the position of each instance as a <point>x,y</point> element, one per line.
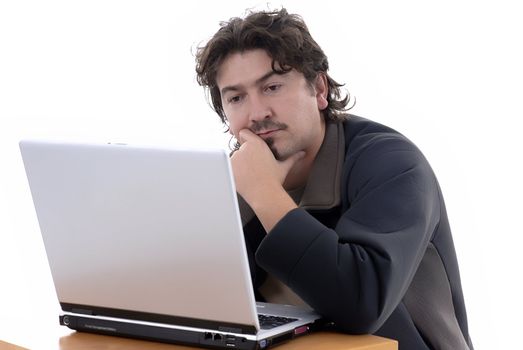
<point>142,228</point>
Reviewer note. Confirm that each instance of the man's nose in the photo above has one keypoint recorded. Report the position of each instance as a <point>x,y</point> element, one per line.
<point>258,109</point>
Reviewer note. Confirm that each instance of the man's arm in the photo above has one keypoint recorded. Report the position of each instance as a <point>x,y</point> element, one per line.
<point>259,179</point>
<point>358,272</point>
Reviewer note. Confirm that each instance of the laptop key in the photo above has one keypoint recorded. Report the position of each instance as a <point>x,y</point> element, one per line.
<point>269,321</point>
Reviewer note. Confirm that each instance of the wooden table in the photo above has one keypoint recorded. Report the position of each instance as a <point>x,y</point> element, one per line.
<point>316,341</point>
<point>29,319</point>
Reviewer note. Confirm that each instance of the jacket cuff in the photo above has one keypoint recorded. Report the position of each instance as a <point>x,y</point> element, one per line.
<point>284,246</point>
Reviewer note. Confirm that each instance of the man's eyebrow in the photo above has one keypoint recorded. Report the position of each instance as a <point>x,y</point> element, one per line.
<point>257,82</point>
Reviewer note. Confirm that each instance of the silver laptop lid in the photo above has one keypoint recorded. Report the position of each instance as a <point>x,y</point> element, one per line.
<point>144,229</point>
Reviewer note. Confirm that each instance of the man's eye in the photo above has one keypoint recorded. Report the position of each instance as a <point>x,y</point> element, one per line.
<point>234,99</point>
<point>273,87</point>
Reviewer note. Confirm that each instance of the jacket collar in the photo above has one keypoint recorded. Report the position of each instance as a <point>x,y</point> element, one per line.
<point>323,188</point>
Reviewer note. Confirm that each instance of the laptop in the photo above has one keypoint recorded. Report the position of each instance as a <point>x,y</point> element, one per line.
<point>147,242</point>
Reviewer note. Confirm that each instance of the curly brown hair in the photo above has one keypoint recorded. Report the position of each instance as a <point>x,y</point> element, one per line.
<point>286,39</point>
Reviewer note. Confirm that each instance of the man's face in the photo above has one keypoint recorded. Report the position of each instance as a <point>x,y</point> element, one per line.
<point>282,109</point>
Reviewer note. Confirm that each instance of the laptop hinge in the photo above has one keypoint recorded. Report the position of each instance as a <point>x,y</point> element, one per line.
<point>82,311</point>
<point>158,318</point>
<point>230,329</point>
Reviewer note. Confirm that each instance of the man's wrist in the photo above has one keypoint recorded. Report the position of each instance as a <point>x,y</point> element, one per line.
<point>271,206</point>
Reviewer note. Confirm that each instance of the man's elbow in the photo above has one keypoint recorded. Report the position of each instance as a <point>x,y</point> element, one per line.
<point>359,321</point>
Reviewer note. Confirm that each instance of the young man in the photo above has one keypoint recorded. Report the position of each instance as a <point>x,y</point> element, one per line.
<point>340,213</point>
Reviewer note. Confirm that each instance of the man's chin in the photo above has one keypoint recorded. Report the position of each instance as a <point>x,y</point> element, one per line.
<point>270,142</point>
<point>278,153</point>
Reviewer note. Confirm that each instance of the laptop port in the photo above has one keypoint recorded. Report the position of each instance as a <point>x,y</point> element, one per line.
<point>207,336</point>
<point>217,337</point>
<point>300,330</point>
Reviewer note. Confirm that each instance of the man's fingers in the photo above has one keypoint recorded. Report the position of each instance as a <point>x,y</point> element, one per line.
<point>245,135</point>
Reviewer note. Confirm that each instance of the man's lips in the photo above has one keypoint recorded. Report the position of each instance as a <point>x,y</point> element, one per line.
<point>266,133</point>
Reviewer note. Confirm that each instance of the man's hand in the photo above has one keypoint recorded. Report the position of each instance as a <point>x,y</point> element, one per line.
<point>259,178</point>
<point>255,167</point>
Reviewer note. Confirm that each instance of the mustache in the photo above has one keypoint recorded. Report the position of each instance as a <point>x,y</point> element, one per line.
<point>256,127</point>
<point>267,124</point>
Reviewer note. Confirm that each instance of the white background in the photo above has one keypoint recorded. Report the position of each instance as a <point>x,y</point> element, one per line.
<point>447,74</point>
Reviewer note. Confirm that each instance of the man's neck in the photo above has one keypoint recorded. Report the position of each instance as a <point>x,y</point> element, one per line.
<point>299,174</point>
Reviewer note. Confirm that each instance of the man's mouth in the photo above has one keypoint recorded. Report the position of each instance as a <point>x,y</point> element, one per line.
<point>266,128</point>
<point>266,133</point>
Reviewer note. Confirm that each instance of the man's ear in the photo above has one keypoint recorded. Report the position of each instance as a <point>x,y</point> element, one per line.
<point>321,89</point>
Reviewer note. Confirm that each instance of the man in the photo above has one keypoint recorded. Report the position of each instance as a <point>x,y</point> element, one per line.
<point>340,213</point>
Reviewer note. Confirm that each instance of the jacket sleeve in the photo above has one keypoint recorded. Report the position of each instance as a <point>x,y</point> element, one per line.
<point>356,274</point>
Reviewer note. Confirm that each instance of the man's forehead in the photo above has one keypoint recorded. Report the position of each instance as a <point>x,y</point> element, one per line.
<point>240,67</point>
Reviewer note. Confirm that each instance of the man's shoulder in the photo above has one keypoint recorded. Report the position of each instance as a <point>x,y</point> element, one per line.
<point>362,133</point>
<point>355,125</point>
<point>379,148</point>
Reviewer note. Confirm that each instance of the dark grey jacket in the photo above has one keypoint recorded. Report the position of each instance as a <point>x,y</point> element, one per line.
<point>383,260</point>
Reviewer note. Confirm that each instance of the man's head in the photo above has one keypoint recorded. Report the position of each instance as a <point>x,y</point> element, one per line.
<point>284,37</point>
<point>283,109</point>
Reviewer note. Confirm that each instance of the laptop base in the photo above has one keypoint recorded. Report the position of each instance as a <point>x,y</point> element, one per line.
<point>197,338</point>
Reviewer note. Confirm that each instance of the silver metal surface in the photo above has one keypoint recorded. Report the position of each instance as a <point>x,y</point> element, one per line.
<point>142,228</point>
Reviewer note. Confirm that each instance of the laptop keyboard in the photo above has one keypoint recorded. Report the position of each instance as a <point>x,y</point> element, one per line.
<point>269,321</point>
